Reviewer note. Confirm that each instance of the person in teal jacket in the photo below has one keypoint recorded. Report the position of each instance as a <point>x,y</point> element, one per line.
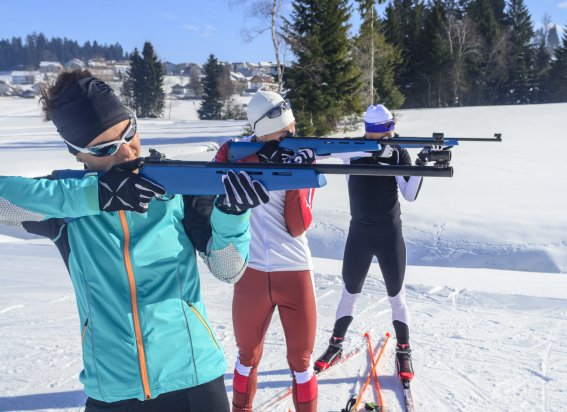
<point>131,255</point>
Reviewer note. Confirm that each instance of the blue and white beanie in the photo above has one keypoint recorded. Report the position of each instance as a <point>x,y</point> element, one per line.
<point>378,119</point>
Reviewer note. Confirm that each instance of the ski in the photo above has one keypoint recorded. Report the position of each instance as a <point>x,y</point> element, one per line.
<point>284,393</point>
<point>406,389</point>
<point>407,395</point>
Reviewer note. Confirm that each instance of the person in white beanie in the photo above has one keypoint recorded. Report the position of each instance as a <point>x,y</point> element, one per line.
<point>376,230</point>
<point>279,272</point>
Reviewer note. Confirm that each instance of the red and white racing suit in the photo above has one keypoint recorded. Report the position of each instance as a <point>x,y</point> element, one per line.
<point>279,274</point>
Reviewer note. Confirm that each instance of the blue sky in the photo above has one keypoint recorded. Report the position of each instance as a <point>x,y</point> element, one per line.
<point>180,30</point>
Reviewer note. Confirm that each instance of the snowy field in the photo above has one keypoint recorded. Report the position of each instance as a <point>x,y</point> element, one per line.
<point>486,282</point>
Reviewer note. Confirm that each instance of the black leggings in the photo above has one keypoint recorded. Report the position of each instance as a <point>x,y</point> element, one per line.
<point>383,240</point>
<point>207,397</point>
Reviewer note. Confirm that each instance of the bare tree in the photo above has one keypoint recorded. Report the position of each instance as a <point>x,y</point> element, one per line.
<point>463,44</point>
<point>269,13</point>
<point>195,82</point>
<point>225,84</point>
<point>541,35</point>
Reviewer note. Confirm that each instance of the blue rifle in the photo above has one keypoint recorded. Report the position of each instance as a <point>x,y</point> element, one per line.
<point>324,146</point>
<point>204,178</point>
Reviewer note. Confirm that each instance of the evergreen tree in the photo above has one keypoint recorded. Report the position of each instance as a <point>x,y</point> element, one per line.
<point>403,24</point>
<point>153,102</point>
<point>131,89</point>
<point>211,107</point>
<point>433,59</point>
<point>15,54</point>
<point>489,70</point>
<point>557,85</point>
<point>520,83</point>
<point>324,82</point>
<point>376,60</point>
<point>143,86</point>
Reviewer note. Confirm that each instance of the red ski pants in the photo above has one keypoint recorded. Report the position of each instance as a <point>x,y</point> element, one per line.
<point>256,295</point>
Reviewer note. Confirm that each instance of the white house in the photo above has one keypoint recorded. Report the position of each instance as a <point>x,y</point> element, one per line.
<point>100,69</point>
<point>268,68</point>
<point>50,67</point>
<point>5,88</point>
<point>121,67</point>
<point>22,77</point>
<point>240,81</point>
<point>75,64</point>
<point>265,82</point>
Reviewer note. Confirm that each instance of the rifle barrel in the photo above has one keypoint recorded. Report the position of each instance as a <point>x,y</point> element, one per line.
<point>336,169</point>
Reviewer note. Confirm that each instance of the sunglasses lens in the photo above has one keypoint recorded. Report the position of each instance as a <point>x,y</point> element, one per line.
<point>109,150</point>
<point>104,150</point>
<point>131,132</point>
<point>275,112</point>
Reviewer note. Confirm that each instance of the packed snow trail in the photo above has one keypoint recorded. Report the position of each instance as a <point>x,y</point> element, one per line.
<point>486,284</point>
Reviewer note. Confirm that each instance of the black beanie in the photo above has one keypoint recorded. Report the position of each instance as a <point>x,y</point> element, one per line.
<point>85,109</point>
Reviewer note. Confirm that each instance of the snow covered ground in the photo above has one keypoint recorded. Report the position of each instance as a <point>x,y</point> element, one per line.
<point>487,275</point>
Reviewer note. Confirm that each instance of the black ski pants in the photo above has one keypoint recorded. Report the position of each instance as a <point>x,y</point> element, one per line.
<point>207,397</point>
<point>383,240</point>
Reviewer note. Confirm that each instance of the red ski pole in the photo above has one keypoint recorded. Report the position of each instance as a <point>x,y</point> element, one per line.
<point>376,381</point>
<point>372,372</point>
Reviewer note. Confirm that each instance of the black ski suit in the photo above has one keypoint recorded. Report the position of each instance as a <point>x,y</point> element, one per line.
<point>376,230</point>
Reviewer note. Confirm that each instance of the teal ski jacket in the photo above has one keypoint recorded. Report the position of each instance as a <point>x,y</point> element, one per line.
<point>143,325</point>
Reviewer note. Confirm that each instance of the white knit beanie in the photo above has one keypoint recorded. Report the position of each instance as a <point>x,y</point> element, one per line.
<point>378,119</point>
<point>259,105</point>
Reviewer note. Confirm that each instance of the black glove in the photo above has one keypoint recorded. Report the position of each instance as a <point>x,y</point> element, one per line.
<point>272,153</point>
<point>386,152</point>
<point>304,156</point>
<point>241,193</point>
<point>121,189</point>
<point>423,156</point>
<point>387,156</point>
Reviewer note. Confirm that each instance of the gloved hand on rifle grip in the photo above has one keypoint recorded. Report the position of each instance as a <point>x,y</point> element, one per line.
<point>423,157</point>
<point>271,152</point>
<point>386,152</point>
<point>241,193</point>
<point>303,156</point>
<point>122,189</point>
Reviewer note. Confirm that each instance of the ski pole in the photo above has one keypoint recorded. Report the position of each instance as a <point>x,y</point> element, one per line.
<point>376,381</point>
<point>374,365</point>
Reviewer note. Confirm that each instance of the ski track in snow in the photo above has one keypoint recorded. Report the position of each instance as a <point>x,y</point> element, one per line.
<point>457,336</point>
<point>10,308</point>
<point>482,339</point>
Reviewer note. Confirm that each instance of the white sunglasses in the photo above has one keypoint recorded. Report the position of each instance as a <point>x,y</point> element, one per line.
<point>110,148</point>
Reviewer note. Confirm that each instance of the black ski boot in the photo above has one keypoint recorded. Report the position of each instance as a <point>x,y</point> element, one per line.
<point>403,362</point>
<point>331,356</point>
